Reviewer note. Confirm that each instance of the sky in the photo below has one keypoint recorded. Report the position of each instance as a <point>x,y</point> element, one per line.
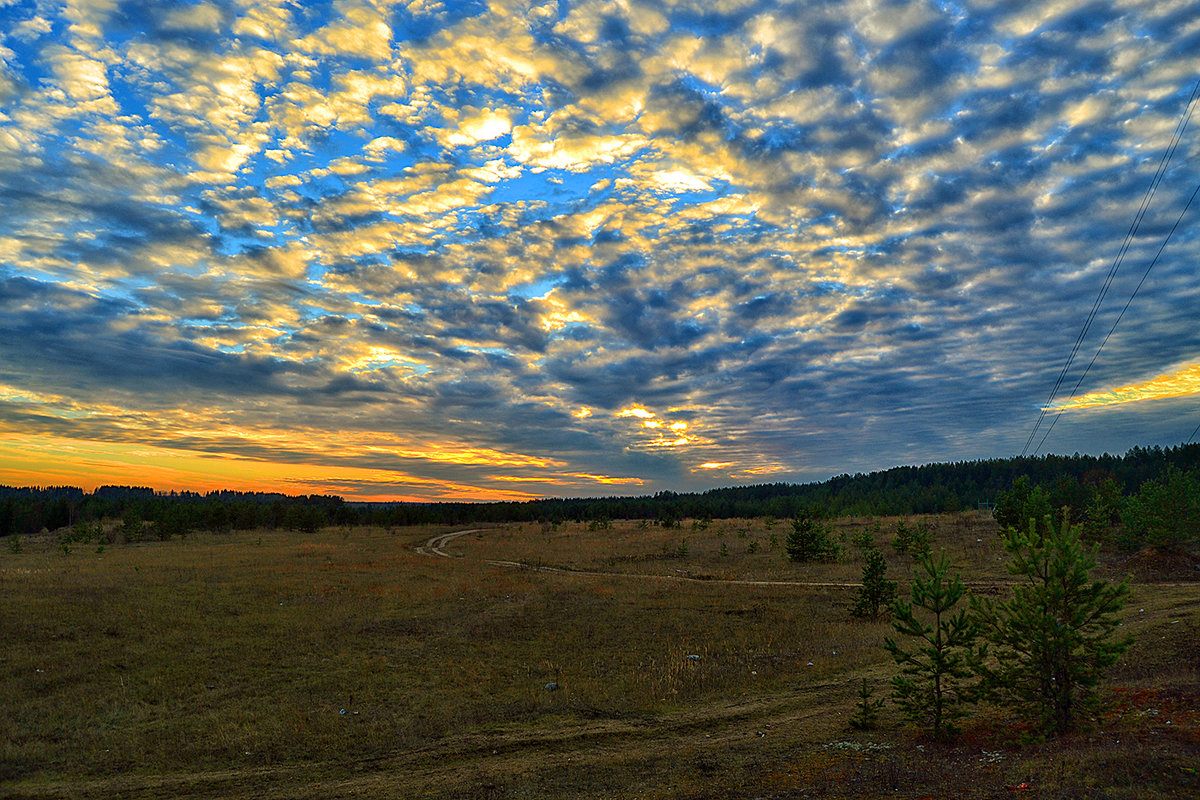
<point>506,250</point>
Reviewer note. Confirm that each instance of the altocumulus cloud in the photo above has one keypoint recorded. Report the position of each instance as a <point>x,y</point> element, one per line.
<point>511,249</point>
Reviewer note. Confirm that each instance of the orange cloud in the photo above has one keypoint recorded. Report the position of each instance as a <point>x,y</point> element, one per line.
<point>1178,384</point>
<point>564,479</point>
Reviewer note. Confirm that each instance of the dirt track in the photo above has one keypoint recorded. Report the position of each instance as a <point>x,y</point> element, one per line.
<point>753,726</point>
<point>434,545</point>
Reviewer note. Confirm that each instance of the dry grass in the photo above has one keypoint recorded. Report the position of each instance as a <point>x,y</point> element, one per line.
<point>753,549</point>
<point>345,664</point>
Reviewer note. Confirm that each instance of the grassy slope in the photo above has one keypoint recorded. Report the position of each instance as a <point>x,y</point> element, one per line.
<point>221,666</point>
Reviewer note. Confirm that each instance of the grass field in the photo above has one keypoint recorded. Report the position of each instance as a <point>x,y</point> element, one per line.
<point>622,662</point>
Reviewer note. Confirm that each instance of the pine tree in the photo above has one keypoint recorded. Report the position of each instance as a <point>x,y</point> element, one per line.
<point>810,540</point>
<point>931,688</point>
<point>866,714</point>
<point>1052,640</point>
<point>1165,512</point>
<point>876,589</point>
<point>914,541</point>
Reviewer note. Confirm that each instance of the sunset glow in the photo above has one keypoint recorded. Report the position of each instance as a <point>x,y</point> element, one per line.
<point>1184,383</point>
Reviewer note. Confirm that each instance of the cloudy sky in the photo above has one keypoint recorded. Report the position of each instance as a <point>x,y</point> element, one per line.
<point>485,250</point>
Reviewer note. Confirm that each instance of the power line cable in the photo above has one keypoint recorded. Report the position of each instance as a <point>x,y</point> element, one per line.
<point>1128,302</point>
<point>1147,197</point>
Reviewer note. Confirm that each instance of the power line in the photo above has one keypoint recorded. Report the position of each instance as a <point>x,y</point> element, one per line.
<point>1163,162</point>
<point>1148,196</point>
<point>1136,289</point>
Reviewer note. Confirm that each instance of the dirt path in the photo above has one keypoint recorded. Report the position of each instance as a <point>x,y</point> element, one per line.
<point>752,728</point>
<point>433,547</point>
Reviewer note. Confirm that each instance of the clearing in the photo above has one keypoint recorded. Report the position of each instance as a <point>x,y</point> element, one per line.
<point>621,660</point>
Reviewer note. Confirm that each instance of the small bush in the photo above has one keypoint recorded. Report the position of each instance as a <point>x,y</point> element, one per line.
<point>133,530</point>
<point>84,533</point>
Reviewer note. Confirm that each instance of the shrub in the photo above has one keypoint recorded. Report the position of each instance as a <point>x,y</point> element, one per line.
<point>133,529</point>
<point>83,532</point>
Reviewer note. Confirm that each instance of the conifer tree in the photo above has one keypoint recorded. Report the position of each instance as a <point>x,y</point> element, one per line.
<point>876,590</point>
<point>810,540</point>
<point>1052,640</point>
<point>914,541</point>
<point>866,710</point>
<point>932,688</point>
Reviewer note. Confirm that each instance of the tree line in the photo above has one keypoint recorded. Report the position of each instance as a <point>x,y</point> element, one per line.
<point>1147,489</point>
<point>145,513</point>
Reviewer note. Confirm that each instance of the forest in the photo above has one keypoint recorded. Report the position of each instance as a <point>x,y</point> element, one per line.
<point>1151,495</point>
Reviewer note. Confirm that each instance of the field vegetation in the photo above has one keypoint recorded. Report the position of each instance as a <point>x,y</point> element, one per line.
<point>617,659</point>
